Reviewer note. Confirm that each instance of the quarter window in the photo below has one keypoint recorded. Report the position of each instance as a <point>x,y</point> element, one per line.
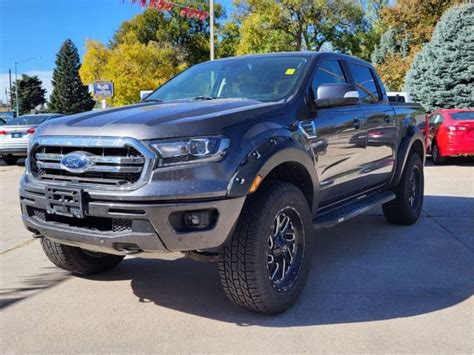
<point>365,83</point>
<point>328,72</point>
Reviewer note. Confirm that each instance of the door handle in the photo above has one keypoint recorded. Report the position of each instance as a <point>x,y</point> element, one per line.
<point>356,123</point>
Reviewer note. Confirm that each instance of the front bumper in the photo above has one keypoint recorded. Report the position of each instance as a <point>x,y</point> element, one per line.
<point>148,224</point>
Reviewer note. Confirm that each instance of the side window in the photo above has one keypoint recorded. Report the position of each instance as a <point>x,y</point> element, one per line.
<point>328,72</point>
<point>365,83</point>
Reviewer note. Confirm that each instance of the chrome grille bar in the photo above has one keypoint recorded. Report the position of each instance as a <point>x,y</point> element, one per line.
<point>114,163</point>
<point>94,168</point>
<point>95,159</point>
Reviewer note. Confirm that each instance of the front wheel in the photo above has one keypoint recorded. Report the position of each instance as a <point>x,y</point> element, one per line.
<point>406,207</point>
<point>265,265</point>
<point>77,260</point>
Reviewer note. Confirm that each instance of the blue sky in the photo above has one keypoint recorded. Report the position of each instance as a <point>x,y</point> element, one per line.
<point>31,28</point>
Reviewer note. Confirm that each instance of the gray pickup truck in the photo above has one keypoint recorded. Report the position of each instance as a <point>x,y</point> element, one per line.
<point>242,161</point>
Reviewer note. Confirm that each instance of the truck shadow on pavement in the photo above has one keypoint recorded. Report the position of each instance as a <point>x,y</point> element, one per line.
<point>363,270</point>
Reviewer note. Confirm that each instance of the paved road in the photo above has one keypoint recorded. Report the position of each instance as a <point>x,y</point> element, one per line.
<point>374,287</point>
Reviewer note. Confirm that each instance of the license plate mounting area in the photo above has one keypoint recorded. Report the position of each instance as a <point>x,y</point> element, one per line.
<point>65,202</point>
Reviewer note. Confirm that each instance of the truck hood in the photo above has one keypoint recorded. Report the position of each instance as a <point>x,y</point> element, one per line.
<point>161,120</point>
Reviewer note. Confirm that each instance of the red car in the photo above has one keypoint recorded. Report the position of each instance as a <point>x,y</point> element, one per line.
<point>450,133</point>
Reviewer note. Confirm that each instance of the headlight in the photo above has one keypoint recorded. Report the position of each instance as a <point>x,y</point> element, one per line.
<point>191,150</point>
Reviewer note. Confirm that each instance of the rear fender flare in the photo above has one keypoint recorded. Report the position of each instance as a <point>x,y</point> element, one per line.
<point>412,141</point>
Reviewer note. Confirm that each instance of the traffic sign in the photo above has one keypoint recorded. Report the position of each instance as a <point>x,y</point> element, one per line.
<point>103,89</point>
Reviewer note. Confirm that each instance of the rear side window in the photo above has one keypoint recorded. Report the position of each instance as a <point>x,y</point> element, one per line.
<point>365,83</point>
<point>463,116</point>
<point>328,72</point>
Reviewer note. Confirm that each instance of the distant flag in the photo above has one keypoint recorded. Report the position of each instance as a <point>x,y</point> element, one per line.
<point>162,5</point>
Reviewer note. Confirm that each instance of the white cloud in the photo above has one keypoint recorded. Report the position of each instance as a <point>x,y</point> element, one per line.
<point>44,76</point>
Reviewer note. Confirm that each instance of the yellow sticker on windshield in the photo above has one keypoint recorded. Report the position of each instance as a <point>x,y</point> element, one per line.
<point>290,71</point>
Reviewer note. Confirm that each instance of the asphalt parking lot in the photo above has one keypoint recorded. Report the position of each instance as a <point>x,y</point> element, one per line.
<point>374,287</point>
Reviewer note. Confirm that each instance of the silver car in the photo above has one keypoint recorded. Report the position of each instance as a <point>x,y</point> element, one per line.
<point>15,135</point>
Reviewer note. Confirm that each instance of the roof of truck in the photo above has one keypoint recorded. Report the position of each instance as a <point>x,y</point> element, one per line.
<point>305,54</point>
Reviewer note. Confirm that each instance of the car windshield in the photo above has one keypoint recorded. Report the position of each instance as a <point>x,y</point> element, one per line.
<point>257,78</point>
<point>27,120</point>
<point>463,116</point>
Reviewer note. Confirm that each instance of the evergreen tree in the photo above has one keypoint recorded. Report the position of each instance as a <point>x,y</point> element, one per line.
<point>69,94</point>
<point>30,93</point>
<point>408,26</point>
<point>442,74</point>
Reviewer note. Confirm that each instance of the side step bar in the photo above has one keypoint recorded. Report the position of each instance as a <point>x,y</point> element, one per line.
<point>352,209</point>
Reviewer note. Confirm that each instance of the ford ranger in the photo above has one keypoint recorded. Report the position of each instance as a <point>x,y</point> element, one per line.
<point>242,161</point>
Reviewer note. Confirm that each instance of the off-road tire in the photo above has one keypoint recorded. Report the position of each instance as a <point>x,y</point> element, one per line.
<point>400,210</point>
<point>10,159</point>
<point>436,155</point>
<point>243,269</point>
<point>78,261</point>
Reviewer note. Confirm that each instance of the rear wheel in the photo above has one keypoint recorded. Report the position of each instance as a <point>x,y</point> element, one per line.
<point>436,155</point>
<point>10,159</point>
<point>406,207</point>
<point>265,265</point>
<point>77,260</point>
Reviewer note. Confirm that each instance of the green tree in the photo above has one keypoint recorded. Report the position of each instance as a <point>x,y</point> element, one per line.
<point>442,74</point>
<point>293,25</point>
<point>188,36</point>
<point>69,94</point>
<point>132,66</point>
<point>408,24</point>
<point>30,93</point>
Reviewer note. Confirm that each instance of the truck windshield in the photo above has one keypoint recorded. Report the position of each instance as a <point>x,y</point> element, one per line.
<point>256,78</point>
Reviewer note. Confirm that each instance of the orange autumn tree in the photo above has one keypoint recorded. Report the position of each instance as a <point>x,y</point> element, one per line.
<point>410,25</point>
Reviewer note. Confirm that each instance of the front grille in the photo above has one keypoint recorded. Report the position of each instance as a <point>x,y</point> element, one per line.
<point>121,225</point>
<point>90,223</point>
<point>111,163</point>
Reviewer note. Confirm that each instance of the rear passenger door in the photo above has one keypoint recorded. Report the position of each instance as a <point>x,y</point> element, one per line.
<point>340,141</point>
<point>380,125</point>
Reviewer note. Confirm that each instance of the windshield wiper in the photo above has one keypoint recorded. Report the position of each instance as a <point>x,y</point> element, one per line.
<point>153,100</point>
<point>204,98</point>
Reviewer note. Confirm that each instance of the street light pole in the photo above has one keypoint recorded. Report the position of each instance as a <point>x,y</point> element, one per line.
<point>211,27</point>
<point>16,82</point>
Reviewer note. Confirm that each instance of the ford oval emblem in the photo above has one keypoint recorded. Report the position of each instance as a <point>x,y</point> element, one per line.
<point>75,162</point>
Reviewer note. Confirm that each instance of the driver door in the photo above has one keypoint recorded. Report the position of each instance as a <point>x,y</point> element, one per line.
<point>340,142</point>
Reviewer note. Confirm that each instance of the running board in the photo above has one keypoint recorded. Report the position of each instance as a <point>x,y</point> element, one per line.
<point>355,208</point>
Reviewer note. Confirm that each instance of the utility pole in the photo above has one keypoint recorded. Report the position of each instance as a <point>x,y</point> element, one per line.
<point>211,27</point>
<point>11,95</point>
<point>16,82</point>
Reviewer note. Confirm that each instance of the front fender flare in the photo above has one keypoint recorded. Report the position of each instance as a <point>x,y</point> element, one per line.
<point>267,156</point>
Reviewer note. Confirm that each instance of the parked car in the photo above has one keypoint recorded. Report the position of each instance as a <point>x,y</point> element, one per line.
<point>3,121</point>
<point>7,116</point>
<point>450,134</point>
<point>16,133</point>
<point>399,96</point>
<point>235,161</point>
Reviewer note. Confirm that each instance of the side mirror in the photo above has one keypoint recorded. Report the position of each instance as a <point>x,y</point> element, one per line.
<point>330,95</point>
